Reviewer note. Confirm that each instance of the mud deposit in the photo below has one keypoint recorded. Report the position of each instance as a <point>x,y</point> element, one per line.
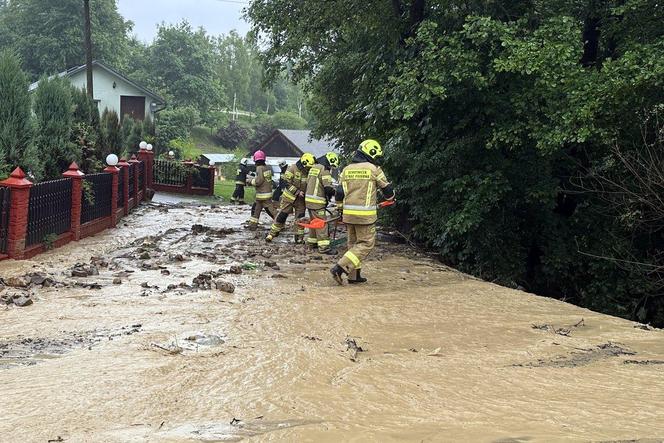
<point>180,326</point>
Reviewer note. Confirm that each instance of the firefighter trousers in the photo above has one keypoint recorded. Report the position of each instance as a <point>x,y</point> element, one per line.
<point>238,194</point>
<point>287,207</point>
<point>258,207</point>
<point>318,237</point>
<point>361,241</point>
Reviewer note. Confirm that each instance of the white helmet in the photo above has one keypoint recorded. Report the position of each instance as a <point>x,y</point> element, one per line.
<point>244,161</point>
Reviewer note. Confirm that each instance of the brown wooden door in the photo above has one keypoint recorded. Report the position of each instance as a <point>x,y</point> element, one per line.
<point>134,106</point>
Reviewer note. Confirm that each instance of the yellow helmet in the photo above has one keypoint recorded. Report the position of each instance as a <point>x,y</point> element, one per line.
<point>332,159</point>
<point>308,160</point>
<point>371,148</point>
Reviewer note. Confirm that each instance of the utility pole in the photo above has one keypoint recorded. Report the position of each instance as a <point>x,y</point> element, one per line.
<point>88,47</point>
<point>234,108</point>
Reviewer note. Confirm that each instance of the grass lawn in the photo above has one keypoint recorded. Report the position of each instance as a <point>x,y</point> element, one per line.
<point>225,189</point>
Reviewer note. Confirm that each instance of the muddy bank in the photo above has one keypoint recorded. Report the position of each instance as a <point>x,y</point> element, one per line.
<point>140,339</point>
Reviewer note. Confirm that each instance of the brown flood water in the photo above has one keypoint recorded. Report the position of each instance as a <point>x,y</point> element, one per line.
<point>421,353</point>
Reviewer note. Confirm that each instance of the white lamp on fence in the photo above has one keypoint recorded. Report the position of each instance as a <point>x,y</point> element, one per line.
<point>171,153</point>
<point>112,160</point>
<point>149,147</point>
<point>143,145</point>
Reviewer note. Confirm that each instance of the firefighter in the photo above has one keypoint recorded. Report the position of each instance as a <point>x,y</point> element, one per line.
<point>356,196</point>
<point>263,184</point>
<point>319,192</point>
<point>279,189</point>
<point>240,182</point>
<point>292,199</point>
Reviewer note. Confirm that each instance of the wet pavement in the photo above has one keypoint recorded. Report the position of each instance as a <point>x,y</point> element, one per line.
<point>181,326</point>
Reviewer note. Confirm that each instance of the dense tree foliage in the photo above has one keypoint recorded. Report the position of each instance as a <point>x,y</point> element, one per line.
<point>48,34</point>
<point>53,115</point>
<point>491,112</point>
<point>16,131</point>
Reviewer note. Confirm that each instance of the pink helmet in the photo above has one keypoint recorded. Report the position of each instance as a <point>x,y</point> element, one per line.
<point>259,155</point>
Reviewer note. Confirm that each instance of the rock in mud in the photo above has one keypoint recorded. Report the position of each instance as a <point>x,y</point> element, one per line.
<point>145,256</point>
<point>117,281</point>
<point>82,270</point>
<point>271,264</point>
<point>235,270</point>
<point>18,282</point>
<point>22,301</point>
<point>176,257</point>
<point>224,286</point>
<point>278,276</point>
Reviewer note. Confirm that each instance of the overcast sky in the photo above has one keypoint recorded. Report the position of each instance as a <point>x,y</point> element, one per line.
<point>216,16</point>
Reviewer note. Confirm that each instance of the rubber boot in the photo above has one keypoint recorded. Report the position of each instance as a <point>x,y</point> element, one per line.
<point>337,274</point>
<point>252,226</point>
<point>358,279</point>
<point>299,239</point>
<point>328,251</point>
<point>269,238</point>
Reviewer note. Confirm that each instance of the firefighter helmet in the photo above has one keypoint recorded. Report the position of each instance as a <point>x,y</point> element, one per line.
<point>308,160</point>
<point>372,149</point>
<point>332,159</point>
<point>259,155</point>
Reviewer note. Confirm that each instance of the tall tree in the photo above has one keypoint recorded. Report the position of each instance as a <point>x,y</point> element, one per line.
<point>16,148</point>
<point>182,67</point>
<point>486,110</point>
<point>48,34</point>
<point>54,115</point>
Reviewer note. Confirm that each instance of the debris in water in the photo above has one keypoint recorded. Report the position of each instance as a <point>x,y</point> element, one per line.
<point>583,358</point>
<point>311,337</point>
<point>644,362</point>
<point>351,345</point>
<point>224,286</point>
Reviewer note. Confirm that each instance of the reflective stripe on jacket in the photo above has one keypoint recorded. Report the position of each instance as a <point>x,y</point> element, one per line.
<point>319,179</point>
<point>263,182</point>
<point>296,181</point>
<point>360,181</point>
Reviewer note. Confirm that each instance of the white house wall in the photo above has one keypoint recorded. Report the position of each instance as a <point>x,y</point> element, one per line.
<point>104,92</point>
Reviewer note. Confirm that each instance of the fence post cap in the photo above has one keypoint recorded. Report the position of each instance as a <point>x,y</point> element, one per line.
<point>123,162</point>
<point>17,180</point>
<point>111,169</point>
<point>73,171</point>
<point>133,159</point>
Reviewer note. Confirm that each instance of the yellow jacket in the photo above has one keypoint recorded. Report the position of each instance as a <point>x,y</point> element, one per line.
<point>296,181</point>
<point>263,182</point>
<point>359,182</point>
<point>319,179</point>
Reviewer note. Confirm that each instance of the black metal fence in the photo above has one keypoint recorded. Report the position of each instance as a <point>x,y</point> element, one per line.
<point>4,217</point>
<point>201,177</point>
<point>168,172</point>
<point>49,210</point>
<point>132,174</point>
<point>141,174</point>
<point>121,190</point>
<point>96,201</point>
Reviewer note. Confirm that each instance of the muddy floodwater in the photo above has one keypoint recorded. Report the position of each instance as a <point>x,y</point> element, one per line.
<point>180,326</point>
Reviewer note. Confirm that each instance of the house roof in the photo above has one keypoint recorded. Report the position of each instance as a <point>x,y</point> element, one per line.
<point>101,65</point>
<point>303,141</point>
<point>220,158</point>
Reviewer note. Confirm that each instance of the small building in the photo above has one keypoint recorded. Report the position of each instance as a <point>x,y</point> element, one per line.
<point>290,144</point>
<point>114,91</point>
<point>218,161</point>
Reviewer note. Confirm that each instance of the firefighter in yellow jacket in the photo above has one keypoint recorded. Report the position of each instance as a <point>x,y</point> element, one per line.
<point>318,194</point>
<point>359,182</point>
<point>292,199</point>
<point>263,184</point>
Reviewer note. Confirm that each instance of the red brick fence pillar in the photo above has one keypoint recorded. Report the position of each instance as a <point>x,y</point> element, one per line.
<point>114,193</point>
<point>124,176</point>
<point>76,194</point>
<point>135,162</point>
<point>18,212</point>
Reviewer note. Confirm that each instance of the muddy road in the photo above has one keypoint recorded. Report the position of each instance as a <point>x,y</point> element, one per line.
<point>182,327</point>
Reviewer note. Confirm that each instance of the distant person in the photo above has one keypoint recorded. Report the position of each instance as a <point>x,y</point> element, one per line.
<point>319,193</point>
<point>240,182</point>
<point>263,184</point>
<point>292,199</point>
<point>357,198</point>
<point>279,189</point>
